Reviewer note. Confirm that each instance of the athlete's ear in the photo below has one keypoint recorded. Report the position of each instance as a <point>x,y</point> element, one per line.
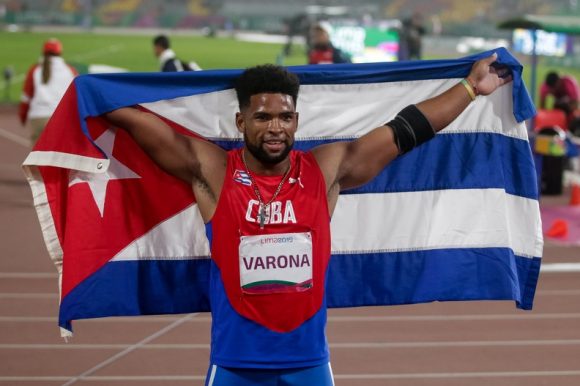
<point>240,124</point>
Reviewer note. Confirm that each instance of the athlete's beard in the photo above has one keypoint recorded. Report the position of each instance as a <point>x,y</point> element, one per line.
<point>261,155</point>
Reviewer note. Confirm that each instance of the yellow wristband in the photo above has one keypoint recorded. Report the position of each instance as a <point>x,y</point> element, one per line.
<point>469,89</point>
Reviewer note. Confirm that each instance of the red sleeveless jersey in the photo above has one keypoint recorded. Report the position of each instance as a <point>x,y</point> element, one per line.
<point>275,275</point>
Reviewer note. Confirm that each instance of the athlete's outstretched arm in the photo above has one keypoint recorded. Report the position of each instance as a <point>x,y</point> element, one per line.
<point>185,157</point>
<point>350,164</point>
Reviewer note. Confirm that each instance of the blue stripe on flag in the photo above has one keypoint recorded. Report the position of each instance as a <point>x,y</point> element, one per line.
<point>174,286</point>
<point>426,276</point>
<point>452,161</point>
<point>146,287</point>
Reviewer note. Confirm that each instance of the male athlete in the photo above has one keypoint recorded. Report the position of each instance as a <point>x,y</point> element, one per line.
<point>267,210</point>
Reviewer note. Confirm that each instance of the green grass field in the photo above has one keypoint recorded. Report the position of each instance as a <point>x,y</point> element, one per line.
<point>134,52</point>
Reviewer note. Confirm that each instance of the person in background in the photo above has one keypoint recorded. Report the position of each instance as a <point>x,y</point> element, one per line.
<point>297,25</point>
<point>565,91</point>
<point>412,32</point>
<point>167,58</point>
<point>45,84</point>
<point>322,51</point>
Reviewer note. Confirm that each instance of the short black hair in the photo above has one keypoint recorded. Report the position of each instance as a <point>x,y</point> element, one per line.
<point>161,41</point>
<point>267,78</point>
<point>552,78</point>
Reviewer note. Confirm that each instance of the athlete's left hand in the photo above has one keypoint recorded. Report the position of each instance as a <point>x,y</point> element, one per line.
<point>487,77</point>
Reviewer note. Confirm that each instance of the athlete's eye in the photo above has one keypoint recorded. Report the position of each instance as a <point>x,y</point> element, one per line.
<point>261,117</point>
<point>287,117</point>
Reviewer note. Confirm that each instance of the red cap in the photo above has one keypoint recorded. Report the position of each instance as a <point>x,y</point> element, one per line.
<point>52,46</point>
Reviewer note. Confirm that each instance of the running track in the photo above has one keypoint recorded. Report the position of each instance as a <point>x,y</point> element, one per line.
<point>451,344</point>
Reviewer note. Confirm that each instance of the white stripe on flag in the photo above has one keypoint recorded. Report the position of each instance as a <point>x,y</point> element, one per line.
<point>353,110</point>
<point>436,219</point>
<point>67,161</point>
<point>210,115</point>
<point>181,237</point>
<point>414,221</point>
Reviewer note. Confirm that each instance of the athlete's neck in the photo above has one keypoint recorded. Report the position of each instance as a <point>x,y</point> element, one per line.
<point>256,166</point>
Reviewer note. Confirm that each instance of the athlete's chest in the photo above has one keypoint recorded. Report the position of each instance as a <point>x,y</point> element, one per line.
<point>295,202</point>
<point>270,203</point>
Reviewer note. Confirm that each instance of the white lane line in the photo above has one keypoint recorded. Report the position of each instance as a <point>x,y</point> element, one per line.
<point>15,138</point>
<point>40,295</point>
<point>555,267</point>
<point>357,345</point>
<point>23,296</point>
<point>173,378</point>
<point>28,275</point>
<point>445,318</point>
<point>560,267</point>
<point>489,374</point>
<point>557,292</point>
<point>447,344</point>
<point>33,379</point>
<point>412,318</point>
<point>129,349</point>
<point>144,378</point>
<point>87,346</point>
<point>53,319</point>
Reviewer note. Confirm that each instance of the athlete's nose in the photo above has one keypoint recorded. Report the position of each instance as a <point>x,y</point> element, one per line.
<point>275,126</point>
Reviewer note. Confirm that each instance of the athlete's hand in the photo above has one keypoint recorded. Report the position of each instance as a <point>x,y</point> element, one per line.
<point>486,76</point>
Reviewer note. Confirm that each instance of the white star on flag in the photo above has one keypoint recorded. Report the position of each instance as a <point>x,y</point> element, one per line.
<point>98,181</point>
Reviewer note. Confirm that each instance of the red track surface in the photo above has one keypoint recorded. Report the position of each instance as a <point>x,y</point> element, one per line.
<point>439,344</point>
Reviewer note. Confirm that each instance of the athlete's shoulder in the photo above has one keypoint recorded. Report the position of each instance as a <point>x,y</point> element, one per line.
<point>233,156</point>
<point>302,156</point>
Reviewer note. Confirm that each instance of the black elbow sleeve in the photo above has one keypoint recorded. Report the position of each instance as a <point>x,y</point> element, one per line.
<point>410,128</point>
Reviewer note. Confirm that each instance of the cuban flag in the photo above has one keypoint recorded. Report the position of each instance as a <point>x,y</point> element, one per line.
<point>242,177</point>
<point>455,219</point>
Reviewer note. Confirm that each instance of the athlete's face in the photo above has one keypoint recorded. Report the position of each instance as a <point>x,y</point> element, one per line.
<point>269,124</point>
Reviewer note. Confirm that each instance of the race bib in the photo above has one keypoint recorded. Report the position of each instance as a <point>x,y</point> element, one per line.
<point>276,263</point>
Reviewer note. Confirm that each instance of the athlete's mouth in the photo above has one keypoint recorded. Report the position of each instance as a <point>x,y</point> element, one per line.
<point>274,145</point>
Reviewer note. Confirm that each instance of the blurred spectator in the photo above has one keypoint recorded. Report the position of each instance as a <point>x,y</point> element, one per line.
<point>45,84</point>
<point>322,50</point>
<point>87,14</point>
<point>411,37</point>
<point>297,25</point>
<point>167,58</point>
<point>564,89</point>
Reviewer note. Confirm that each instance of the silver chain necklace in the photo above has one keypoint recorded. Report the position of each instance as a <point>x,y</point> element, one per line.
<point>262,209</point>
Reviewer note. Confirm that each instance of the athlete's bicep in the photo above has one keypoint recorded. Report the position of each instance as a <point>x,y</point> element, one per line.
<point>366,156</point>
<point>172,151</point>
<point>353,163</point>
